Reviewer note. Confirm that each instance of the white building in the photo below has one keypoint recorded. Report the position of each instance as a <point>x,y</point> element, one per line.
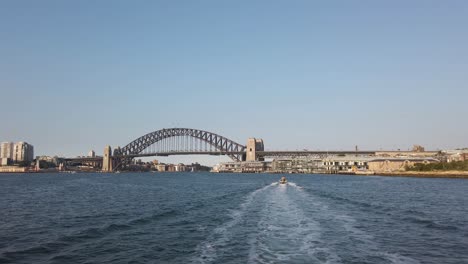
<point>6,150</point>
<point>4,161</point>
<point>92,154</point>
<point>180,167</point>
<point>22,151</point>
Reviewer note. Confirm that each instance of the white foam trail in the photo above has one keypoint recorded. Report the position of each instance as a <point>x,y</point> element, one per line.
<point>221,235</point>
<point>286,234</point>
<point>249,198</point>
<point>295,185</point>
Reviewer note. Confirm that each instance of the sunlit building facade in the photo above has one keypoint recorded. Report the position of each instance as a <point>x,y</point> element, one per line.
<point>23,152</point>
<point>6,150</point>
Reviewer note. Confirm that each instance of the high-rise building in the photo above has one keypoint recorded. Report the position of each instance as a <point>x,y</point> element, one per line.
<point>6,150</point>
<point>22,151</point>
<point>92,154</point>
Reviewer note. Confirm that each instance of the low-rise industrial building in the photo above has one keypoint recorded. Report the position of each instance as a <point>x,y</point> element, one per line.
<point>297,165</point>
<point>243,167</point>
<point>346,164</point>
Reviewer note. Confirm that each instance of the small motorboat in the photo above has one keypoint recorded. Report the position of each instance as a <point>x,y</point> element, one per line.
<point>283,180</point>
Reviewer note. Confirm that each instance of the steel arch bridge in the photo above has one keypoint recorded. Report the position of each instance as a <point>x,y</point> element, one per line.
<point>181,141</point>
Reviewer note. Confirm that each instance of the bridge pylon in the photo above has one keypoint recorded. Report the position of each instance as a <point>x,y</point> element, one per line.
<point>254,145</point>
<point>107,162</point>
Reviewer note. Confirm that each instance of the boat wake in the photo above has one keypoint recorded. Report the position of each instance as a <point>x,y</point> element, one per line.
<point>347,231</point>
<point>217,241</point>
<point>295,185</point>
<point>286,234</point>
<point>285,223</point>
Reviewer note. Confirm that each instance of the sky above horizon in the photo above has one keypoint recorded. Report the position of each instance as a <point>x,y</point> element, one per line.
<point>328,75</point>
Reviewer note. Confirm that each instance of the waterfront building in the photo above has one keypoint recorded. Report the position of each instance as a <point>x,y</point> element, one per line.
<point>298,165</point>
<point>243,167</point>
<point>161,167</point>
<point>4,161</point>
<point>6,150</point>
<point>170,168</point>
<point>13,169</point>
<point>333,164</point>
<point>23,152</point>
<point>51,160</point>
<point>197,167</point>
<point>228,167</point>
<point>255,166</point>
<point>180,167</point>
<point>456,155</point>
<point>345,164</point>
<point>91,154</point>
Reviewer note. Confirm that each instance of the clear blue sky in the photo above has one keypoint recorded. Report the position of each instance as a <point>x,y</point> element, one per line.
<point>77,75</point>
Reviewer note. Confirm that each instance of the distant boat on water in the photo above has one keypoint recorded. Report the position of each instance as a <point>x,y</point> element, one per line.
<point>283,180</point>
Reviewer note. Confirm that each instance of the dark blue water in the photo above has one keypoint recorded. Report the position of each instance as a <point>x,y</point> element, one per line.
<point>231,218</point>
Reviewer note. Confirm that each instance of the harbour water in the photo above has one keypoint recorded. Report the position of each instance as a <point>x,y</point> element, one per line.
<point>231,218</point>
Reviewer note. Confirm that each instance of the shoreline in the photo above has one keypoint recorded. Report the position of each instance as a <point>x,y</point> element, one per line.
<point>428,174</point>
<point>415,174</point>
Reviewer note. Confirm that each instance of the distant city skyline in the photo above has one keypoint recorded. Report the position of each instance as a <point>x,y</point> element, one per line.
<point>76,76</point>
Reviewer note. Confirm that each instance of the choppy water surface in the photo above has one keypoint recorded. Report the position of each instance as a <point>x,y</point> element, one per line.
<point>231,218</point>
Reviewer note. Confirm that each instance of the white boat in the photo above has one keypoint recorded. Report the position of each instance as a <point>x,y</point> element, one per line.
<point>283,180</point>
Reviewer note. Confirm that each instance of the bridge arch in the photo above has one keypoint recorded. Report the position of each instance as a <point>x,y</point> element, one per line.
<point>220,143</point>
